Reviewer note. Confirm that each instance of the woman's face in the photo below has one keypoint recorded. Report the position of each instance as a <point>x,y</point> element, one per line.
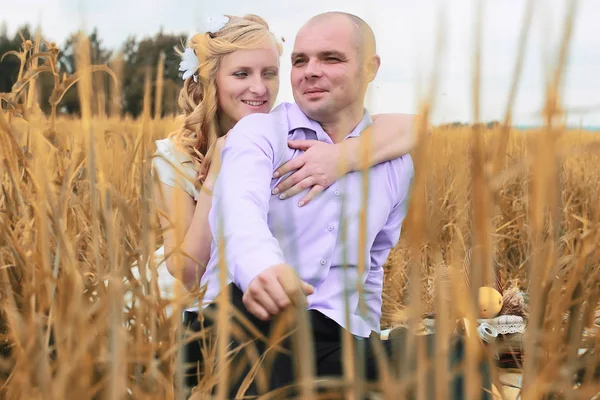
<point>247,83</point>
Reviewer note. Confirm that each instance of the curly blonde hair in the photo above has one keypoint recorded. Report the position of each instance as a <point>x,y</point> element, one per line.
<point>198,100</point>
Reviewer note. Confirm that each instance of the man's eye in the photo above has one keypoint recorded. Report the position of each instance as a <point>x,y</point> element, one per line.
<point>332,59</point>
<point>298,62</point>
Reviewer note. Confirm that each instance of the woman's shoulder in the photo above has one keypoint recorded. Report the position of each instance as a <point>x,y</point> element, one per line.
<point>174,166</point>
<point>167,148</point>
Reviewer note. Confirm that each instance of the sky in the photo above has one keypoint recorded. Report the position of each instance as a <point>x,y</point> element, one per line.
<point>406,33</point>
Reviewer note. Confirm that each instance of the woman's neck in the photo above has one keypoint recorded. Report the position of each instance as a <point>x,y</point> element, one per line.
<point>225,124</point>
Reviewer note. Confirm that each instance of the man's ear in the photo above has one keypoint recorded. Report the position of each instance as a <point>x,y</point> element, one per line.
<point>372,67</point>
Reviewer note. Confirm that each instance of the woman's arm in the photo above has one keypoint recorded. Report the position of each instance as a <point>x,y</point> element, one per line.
<point>197,237</point>
<point>389,137</point>
<point>177,211</point>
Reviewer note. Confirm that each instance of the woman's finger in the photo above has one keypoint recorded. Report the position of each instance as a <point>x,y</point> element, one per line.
<point>312,193</point>
<point>302,144</point>
<point>299,187</point>
<point>289,166</point>
<point>291,180</point>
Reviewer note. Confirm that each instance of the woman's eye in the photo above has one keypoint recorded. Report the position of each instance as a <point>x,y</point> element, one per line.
<point>270,74</point>
<point>241,74</point>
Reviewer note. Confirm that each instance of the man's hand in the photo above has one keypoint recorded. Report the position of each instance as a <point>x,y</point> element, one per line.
<point>275,289</point>
<point>320,165</point>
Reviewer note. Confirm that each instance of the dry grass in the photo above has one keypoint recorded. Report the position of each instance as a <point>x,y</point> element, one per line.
<point>76,210</point>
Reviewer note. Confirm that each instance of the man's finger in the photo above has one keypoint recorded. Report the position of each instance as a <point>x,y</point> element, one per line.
<point>302,144</point>
<point>255,309</point>
<point>291,284</point>
<point>307,288</point>
<point>278,295</point>
<point>266,301</point>
<point>312,193</point>
<point>291,165</point>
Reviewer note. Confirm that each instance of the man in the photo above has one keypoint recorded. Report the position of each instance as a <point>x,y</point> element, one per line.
<point>278,253</point>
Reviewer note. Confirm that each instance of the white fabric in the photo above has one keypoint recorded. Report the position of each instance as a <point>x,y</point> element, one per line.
<point>504,324</point>
<point>167,284</point>
<point>507,324</point>
<point>174,168</point>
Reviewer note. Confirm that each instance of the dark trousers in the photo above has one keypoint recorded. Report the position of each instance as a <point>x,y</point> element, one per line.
<point>327,351</point>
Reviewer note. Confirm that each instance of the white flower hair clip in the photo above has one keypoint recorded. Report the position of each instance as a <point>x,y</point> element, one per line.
<point>215,23</point>
<point>189,61</point>
<point>189,64</point>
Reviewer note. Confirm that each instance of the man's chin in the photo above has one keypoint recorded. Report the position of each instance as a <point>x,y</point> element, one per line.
<point>313,111</point>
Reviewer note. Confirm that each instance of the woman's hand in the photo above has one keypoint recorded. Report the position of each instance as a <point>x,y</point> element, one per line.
<point>389,137</point>
<point>317,168</point>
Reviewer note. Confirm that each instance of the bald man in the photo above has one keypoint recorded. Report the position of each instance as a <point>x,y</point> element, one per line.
<point>279,254</point>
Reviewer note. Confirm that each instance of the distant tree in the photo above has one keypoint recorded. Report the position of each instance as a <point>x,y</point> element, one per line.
<point>9,67</point>
<point>99,55</point>
<point>141,57</point>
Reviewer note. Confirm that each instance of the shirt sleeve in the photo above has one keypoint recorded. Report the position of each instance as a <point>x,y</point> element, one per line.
<point>174,168</point>
<point>386,239</point>
<point>238,216</point>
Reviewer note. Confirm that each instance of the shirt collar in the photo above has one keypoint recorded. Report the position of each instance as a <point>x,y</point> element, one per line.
<point>298,120</point>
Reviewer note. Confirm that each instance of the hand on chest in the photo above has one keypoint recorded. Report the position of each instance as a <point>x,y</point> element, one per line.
<point>341,204</point>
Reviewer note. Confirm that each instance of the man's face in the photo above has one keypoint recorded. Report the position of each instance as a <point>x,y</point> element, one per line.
<point>327,72</point>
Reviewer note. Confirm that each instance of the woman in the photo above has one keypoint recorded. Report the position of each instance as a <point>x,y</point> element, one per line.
<point>232,71</point>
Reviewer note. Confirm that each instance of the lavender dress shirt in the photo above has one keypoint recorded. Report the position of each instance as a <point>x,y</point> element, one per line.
<point>321,239</point>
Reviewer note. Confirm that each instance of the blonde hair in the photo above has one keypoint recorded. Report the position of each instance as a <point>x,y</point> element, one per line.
<point>198,100</point>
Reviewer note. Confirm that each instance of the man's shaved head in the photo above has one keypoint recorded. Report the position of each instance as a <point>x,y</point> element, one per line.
<point>365,38</point>
<point>333,62</point>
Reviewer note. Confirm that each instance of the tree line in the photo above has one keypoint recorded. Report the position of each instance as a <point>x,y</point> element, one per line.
<point>134,60</point>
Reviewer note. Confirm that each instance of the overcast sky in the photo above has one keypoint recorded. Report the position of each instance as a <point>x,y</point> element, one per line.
<point>405,32</point>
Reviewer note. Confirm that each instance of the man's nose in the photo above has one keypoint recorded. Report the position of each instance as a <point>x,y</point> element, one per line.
<point>313,69</point>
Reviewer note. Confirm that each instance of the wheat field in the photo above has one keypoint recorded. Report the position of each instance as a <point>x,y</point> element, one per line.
<point>77,211</point>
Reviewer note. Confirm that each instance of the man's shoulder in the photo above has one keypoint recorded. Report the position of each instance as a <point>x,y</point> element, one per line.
<point>400,172</point>
<point>265,124</point>
<point>401,166</point>
<point>268,132</point>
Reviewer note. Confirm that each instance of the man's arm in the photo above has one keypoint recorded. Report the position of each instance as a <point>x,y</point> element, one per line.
<point>239,216</point>
<point>241,203</point>
<point>385,240</point>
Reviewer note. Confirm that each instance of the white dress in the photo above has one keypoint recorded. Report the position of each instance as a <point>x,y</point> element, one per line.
<point>174,168</point>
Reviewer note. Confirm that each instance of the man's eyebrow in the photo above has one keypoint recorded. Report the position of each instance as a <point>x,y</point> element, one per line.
<point>331,53</point>
<point>322,54</point>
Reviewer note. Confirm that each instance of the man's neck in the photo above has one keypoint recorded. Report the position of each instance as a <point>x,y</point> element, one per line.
<point>344,123</point>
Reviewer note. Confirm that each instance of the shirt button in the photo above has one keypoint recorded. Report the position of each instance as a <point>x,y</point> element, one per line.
<point>337,192</point>
<point>330,228</point>
<point>323,261</point>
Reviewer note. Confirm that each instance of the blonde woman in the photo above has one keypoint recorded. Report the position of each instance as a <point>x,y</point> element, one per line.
<point>231,71</point>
